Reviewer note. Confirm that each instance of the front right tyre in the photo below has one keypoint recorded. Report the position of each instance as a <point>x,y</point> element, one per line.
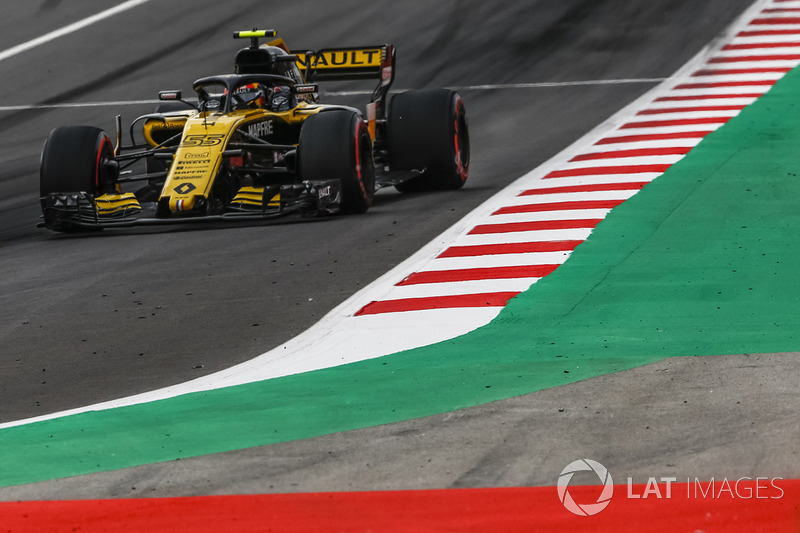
<point>336,144</point>
<point>75,159</point>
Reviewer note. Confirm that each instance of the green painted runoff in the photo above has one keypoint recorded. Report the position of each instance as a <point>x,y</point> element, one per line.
<point>701,262</point>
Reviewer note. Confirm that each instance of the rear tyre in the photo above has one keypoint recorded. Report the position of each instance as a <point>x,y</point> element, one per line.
<point>427,130</point>
<point>75,159</point>
<point>336,145</point>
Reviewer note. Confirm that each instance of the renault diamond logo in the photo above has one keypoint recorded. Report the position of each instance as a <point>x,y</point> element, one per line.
<point>184,188</point>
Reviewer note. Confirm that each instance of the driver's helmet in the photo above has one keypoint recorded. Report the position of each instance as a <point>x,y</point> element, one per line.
<point>250,96</point>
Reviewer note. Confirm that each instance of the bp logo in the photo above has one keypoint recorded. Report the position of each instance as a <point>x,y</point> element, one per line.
<point>585,509</point>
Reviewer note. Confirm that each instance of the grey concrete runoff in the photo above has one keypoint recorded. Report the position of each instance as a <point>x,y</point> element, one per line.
<point>688,418</point>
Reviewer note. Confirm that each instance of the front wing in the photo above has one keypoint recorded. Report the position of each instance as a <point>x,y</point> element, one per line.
<point>64,211</point>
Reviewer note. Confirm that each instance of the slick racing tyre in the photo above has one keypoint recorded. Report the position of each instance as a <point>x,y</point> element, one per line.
<point>76,159</point>
<point>336,145</point>
<point>427,131</point>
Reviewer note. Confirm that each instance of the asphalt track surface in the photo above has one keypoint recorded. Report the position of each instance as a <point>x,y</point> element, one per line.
<point>92,318</point>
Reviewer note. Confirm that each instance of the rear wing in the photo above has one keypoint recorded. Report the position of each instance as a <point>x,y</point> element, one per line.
<point>333,64</point>
<point>341,64</point>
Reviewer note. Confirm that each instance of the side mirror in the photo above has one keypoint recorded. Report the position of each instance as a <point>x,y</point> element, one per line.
<point>175,96</point>
<point>306,88</point>
<point>169,96</point>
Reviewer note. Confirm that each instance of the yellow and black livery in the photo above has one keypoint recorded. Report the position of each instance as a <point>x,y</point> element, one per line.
<point>258,143</point>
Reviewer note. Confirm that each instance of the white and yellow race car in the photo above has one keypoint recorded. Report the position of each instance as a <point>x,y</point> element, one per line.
<point>258,144</point>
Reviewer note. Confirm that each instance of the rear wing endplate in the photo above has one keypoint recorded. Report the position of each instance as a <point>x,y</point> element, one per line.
<point>343,64</point>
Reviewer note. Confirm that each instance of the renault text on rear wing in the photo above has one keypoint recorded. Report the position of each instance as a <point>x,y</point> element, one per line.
<point>337,64</point>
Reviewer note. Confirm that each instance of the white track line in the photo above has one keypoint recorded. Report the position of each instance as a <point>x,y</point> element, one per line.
<point>71,28</point>
<point>67,105</point>
<point>533,85</point>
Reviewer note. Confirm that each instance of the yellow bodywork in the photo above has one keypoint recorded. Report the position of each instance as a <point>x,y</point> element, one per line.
<point>254,196</point>
<point>157,131</point>
<point>344,58</point>
<point>117,204</point>
<point>198,157</point>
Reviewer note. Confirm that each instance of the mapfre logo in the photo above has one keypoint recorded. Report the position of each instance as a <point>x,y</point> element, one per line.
<point>590,508</point>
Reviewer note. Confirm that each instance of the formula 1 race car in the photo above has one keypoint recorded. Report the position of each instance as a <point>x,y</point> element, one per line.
<point>258,144</point>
